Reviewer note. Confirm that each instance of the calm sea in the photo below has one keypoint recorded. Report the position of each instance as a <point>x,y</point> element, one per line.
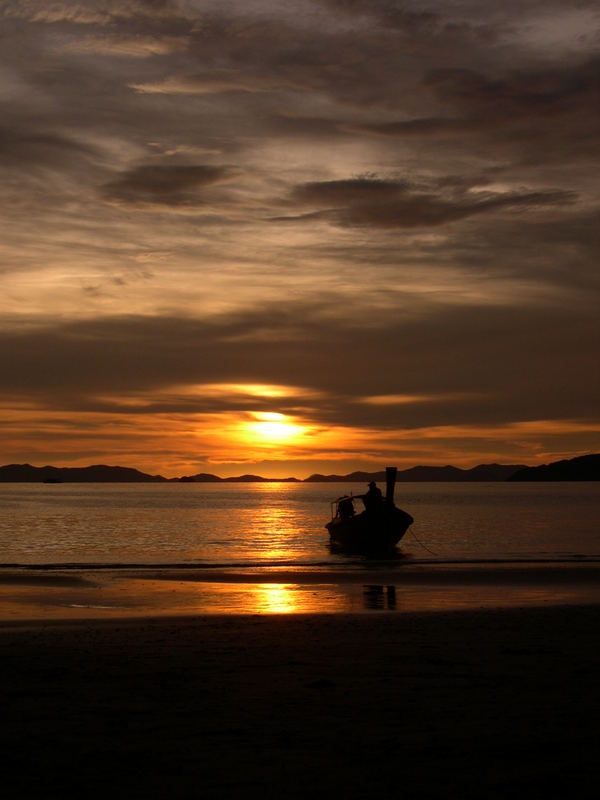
<point>283,524</point>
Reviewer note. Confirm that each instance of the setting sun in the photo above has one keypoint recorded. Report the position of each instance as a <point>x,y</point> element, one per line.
<point>273,427</point>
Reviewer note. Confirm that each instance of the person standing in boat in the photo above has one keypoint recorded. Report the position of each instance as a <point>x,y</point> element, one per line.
<point>373,498</point>
<point>346,508</point>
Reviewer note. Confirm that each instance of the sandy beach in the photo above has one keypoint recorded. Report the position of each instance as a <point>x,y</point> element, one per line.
<point>486,703</point>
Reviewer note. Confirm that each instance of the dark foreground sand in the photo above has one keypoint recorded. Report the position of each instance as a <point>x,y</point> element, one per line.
<point>487,704</point>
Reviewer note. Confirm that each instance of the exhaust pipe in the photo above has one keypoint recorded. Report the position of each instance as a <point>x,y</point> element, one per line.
<point>390,482</point>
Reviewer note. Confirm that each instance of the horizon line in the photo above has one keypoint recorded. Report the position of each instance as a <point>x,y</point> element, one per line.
<point>252,477</point>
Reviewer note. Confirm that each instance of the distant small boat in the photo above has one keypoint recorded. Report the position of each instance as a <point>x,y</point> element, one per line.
<point>378,528</point>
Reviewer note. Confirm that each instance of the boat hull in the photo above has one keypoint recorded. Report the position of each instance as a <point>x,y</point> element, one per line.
<point>371,531</point>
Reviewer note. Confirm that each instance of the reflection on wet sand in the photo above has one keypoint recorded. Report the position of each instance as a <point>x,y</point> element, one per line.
<point>376,597</point>
<point>275,598</point>
<point>79,594</point>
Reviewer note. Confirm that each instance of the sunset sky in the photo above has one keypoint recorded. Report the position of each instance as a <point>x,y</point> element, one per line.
<point>288,237</point>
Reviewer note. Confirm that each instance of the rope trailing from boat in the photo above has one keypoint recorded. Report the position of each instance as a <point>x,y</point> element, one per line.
<point>424,546</point>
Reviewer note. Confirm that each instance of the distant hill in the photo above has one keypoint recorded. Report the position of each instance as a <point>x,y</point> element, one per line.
<point>582,468</point>
<point>353,477</point>
<point>202,477</point>
<point>207,477</point>
<point>483,472</point>
<point>99,473</point>
<point>258,479</point>
<point>493,472</point>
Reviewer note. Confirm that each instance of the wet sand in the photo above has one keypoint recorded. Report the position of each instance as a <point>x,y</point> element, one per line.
<point>490,704</point>
<point>95,592</point>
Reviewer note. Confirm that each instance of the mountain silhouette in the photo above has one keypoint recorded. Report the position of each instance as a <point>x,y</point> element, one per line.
<point>98,473</point>
<point>582,468</point>
<point>483,472</point>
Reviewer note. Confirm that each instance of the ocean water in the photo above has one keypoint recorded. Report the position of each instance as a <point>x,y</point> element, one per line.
<point>277,524</point>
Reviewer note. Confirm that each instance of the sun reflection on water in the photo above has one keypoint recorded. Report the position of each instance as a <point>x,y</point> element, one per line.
<point>272,529</point>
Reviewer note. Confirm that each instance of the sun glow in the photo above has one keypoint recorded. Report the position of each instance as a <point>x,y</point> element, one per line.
<point>266,390</point>
<point>273,428</point>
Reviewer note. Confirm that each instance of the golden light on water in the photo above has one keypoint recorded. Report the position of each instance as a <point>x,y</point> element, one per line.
<point>272,527</point>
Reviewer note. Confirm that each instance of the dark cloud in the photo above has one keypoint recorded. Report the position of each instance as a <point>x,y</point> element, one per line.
<point>88,12</point>
<point>530,116</point>
<point>427,126</point>
<point>440,161</point>
<point>303,127</point>
<point>165,184</point>
<point>20,148</point>
<point>485,364</point>
<point>555,255</point>
<point>358,66</point>
<point>394,204</point>
<point>534,93</point>
<point>536,115</point>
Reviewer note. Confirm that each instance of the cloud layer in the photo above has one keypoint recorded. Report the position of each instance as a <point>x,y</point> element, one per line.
<point>356,199</point>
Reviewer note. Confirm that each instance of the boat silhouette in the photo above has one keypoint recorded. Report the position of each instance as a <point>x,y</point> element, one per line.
<point>378,528</point>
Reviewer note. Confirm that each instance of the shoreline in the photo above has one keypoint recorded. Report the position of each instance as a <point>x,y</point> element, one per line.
<point>149,592</point>
<point>400,561</point>
<point>414,571</point>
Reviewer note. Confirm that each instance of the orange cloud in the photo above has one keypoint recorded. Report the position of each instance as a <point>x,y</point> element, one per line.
<point>173,444</point>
